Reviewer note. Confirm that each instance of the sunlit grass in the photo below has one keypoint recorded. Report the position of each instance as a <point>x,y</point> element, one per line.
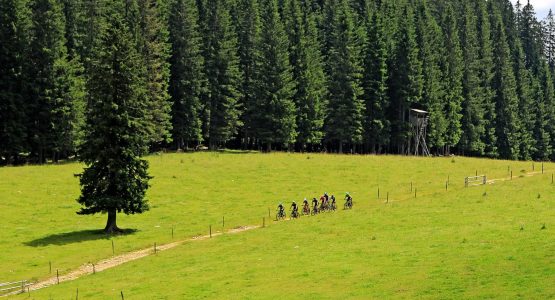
<point>441,244</point>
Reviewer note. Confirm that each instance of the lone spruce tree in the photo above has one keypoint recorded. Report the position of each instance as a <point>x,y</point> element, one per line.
<point>115,178</point>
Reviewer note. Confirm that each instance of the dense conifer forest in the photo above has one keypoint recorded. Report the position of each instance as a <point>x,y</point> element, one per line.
<point>302,75</point>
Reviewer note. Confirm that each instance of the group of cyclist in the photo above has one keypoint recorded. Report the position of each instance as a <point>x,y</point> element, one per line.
<point>326,203</point>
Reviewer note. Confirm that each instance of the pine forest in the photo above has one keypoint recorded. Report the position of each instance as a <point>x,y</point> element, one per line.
<point>287,75</point>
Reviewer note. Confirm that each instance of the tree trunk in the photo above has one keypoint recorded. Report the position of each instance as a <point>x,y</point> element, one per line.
<point>269,147</point>
<point>111,226</point>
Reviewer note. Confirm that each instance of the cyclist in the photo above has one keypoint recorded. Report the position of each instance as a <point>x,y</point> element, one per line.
<point>306,207</point>
<point>294,209</point>
<point>314,205</point>
<point>281,211</point>
<point>348,200</point>
<point>333,205</point>
<point>323,203</point>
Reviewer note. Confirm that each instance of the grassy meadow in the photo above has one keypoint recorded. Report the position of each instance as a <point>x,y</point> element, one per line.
<point>480,242</point>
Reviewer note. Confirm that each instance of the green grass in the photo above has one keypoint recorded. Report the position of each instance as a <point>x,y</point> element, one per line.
<point>460,243</point>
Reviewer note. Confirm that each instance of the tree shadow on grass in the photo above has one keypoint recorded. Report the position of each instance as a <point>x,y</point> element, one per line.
<point>75,237</point>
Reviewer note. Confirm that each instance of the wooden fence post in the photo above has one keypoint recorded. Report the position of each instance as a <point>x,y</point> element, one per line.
<point>210,229</point>
<point>122,295</point>
<point>414,192</point>
<point>113,251</point>
<point>77,294</point>
<point>387,199</point>
<point>50,266</point>
<point>263,222</point>
<point>57,276</point>
<point>154,248</point>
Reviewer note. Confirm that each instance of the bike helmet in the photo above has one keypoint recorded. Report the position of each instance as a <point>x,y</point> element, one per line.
<point>326,193</point>
<point>294,202</point>
<point>347,194</point>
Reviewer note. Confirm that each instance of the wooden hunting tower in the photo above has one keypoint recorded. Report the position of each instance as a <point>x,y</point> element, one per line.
<point>418,120</point>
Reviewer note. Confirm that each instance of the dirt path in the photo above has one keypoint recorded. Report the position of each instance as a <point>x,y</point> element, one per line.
<point>115,261</point>
<point>492,181</point>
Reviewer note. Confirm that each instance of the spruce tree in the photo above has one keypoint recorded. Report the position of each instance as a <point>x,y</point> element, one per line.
<point>223,74</point>
<point>311,96</point>
<point>248,33</point>
<point>13,46</point>
<point>53,87</point>
<point>452,77</point>
<point>374,83</point>
<point>275,121</point>
<point>187,73</point>
<point>549,38</point>
<point>504,83</point>
<point>115,178</point>
<point>346,107</point>
<point>308,73</point>
<point>487,93</point>
<point>472,121</point>
<point>432,52</point>
<point>523,80</point>
<point>155,50</point>
<point>405,80</point>
<point>543,110</point>
<point>530,35</point>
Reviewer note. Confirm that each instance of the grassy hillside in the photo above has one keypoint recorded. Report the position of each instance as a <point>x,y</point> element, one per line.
<point>449,244</point>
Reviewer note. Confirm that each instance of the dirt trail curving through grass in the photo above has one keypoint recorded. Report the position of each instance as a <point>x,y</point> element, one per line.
<point>115,261</point>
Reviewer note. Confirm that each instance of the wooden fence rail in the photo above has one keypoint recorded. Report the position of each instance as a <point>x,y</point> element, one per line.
<point>13,287</point>
<point>475,180</point>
